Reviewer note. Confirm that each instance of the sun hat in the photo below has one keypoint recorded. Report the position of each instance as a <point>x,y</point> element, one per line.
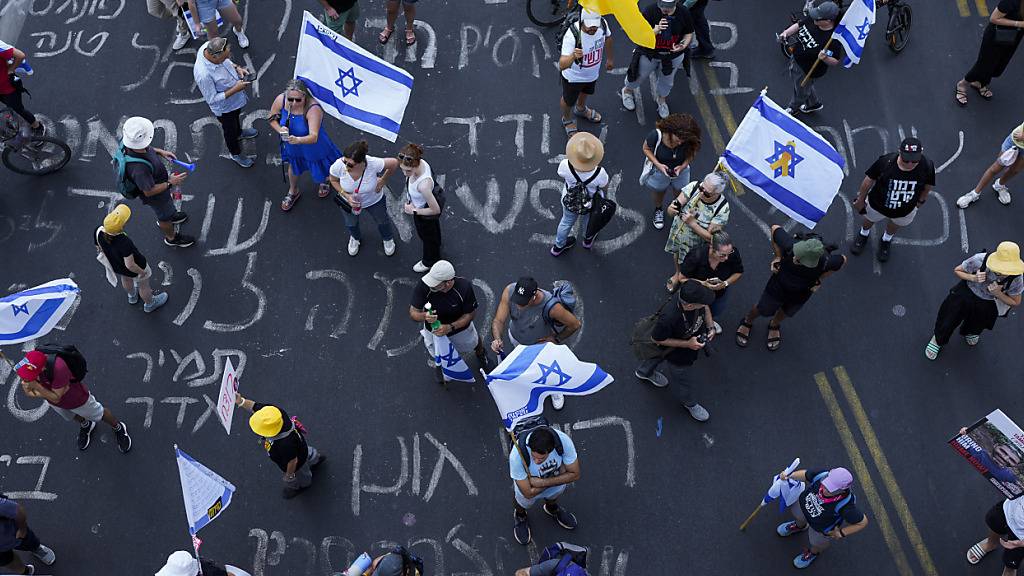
<point>837,479</point>
<point>137,132</point>
<point>267,421</point>
<point>585,151</point>
<point>808,252</point>
<point>441,271</point>
<point>114,223</point>
<point>1006,260</point>
<point>31,365</point>
<point>179,563</point>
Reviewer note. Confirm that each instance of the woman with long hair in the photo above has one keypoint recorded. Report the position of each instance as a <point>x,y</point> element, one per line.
<point>669,149</point>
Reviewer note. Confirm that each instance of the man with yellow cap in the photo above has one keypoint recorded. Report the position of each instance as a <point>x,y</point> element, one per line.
<point>125,260</point>
<point>584,177</point>
<point>284,439</point>
<point>990,284</point>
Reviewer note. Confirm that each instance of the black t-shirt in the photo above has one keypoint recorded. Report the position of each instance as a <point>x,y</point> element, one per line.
<point>793,282</point>
<point>342,5</point>
<point>821,515</point>
<point>678,323</point>
<point>896,193</point>
<point>1011,8</point>
<point>697,265</point>
<point>810,40</point>
<point>680,23</point>
<point>117,248</point>
<point>211,568</point>
<point>671,157</point>
<point>450,305</point>
<point>142,176</point>
<point>286,449</point>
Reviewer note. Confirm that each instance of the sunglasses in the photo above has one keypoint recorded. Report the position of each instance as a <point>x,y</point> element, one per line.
<point>408,160</point>
<point>439,287</point>
<point>296,99</point>
<point>349,163</point>
<point>705,191</point>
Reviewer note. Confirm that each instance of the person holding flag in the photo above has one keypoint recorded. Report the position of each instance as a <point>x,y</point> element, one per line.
<point>810,37</point>
<point>284,439</point>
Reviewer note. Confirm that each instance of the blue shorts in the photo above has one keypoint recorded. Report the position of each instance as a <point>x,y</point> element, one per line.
<point>163,205</point>
<point>658,182</point>
<point>1008,143</point>
<point>208,9</point>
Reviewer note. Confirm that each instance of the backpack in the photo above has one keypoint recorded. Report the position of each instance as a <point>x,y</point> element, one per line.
<point>641,340</point>
<point>572,559</point>
<point>126,186</point>
<point>69,354</point>
<point>438,193</point>
<point>412,565</point>
<point>572,23</point>
<point>527,426</point>
<point>849,498</point>
<point>562,292</point>
<point>576,199</point>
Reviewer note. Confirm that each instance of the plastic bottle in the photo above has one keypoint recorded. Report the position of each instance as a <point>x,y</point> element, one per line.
<point>359,567</point>
<point>437,322</point>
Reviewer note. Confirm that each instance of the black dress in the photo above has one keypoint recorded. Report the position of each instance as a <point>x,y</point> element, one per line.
<point>992,57</point>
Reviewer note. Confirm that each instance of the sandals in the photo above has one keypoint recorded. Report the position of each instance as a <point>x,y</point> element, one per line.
<point>931,351</point>
<point>774,341</point>
<point>961,96</point>
<point>385,34</point>
<point>570,127</point>
<point>672,284</point>
<point>983,91</point>
<point>290,200</point>
<point>324,190</point>
<point>588,114</point>
<point>410,37</point>
<point>978,551</point>
<point>743,339</point>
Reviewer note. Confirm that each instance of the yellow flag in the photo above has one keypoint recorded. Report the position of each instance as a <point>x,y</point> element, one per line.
<point>627,13</point>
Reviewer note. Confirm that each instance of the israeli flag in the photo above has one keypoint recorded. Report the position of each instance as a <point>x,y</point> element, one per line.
<point>447,358</point>
<point>785,162</point>
<point>32,313</point>
<point>352,84</point>
<point>206,494</point>
<point>853,29</point>
<point>785,491</point>
<point>530,374</point>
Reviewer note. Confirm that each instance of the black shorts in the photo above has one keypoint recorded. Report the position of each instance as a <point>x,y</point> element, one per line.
<point>995,518</point>
<point>769,304</point>
<point>571,90</point>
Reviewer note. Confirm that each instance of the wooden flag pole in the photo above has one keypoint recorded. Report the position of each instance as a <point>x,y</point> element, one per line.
<point>815,65</point>
<point>751,517</point>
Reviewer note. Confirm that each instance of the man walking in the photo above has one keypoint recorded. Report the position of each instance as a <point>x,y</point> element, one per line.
<point>541,465</point>
<point>533,315</point>
<point>284,439</point>
<point>683,330</point>
<point>445,305</point>
<point>705,49</point>
<point>223,85</point>
<point>808,38</point>
<point>583,47</point>
<point>46,374</point>
<point>673,31</point>
<point>892,189</point>
<point>145,173</point>
<point>824,506</point>
<point>15,534</point>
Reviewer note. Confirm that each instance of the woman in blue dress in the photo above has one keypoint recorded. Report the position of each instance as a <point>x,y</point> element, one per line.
<point>297,117</point>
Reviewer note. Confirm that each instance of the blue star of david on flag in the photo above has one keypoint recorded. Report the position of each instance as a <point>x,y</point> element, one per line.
<point>852,31</point>
<point>863,29</point>
<point>340,82</point>
<point>452,366</point>
<point>785,159</point>
<point>452,357</point>
<point>18,309</point>
<point>36,311</point>
<point>547,370</point>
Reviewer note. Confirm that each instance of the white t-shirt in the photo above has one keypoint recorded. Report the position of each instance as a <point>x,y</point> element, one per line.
<point>600,182</point>
<point>589,67</point>
<point>1014,511</point>
<point>415,197</point>
<point>367,194</point>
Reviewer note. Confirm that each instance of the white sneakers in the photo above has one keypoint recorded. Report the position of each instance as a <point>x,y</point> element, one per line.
<point>968,199</point>
<point>628,101</point>
<point>243,40</point>
<point>1003,191</point>
<point>557,401</point>
<point>663,110</point>
<point>420,267</point>
<point>971,197</point>
<point>389,247</point>
<point>353,246</point>
<point>180,39</point>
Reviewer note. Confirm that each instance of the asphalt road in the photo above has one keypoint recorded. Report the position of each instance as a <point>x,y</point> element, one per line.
<point>327,336</point>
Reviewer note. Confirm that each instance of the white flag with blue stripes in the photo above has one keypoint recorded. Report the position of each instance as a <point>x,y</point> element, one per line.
<point>351,84</point>
<point>853,29</point>
<point>521,382</point>
<point>785,491</point>
<point>206,493</point>
<point>785,162</point>
<point>448,359</point>
<point>32,313</point>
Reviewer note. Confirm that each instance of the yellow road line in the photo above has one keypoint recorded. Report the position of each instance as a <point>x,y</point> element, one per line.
<point>709,117</point>
<point>723,105</point>
<point>860,469</point>
<point>982,8</point>
<point>888,479</point>
<point>963,8</point>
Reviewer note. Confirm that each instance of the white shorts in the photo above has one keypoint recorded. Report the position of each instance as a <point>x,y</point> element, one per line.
<point>146,275</point>
<point>465,341</point>
<point>874,216</point>
<point>91,410</point>
<point>551,493</point>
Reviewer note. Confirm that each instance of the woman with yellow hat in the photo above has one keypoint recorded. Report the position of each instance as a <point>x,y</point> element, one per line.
<point>125,260</point>
<point>990,284</point>
<point>284,439</point>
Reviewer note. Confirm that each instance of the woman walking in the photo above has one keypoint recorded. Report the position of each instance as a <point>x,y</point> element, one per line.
<point>359,181</point>
<point>204,13</point>
<point>669,148</point>
<point>422,204</point>
<point>1008,163</point>
<point>125,260</point>
<point>998,43</point>
<point>297,117</point>
<point>990,284</point>
<point>700,210</point>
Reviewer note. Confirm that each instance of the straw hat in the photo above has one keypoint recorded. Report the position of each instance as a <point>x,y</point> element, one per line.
<point>585,151</point>
<point>1006,260</point>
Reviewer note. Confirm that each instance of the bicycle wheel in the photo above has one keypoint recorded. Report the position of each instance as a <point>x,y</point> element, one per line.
<point>41,155</point>
<point>897,34</point>
<point>548,13</point>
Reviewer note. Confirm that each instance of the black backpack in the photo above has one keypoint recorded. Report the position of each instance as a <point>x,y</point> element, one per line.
<point>576,199</point>
<point>644,347</point>
<point>572,558</point>
<point>412,565</point>
<point>438,193</point>
<point>69,354</point>
<point>521,432</point>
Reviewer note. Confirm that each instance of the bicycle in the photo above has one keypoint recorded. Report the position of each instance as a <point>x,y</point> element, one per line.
<point>897,29</point>
<point>26,153</point>
<point>548,13</point>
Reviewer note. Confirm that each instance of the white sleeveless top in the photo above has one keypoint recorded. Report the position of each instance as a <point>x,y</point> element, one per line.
<point>415,197</point>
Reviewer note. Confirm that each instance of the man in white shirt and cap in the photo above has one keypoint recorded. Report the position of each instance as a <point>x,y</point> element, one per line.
<point>583,47</point>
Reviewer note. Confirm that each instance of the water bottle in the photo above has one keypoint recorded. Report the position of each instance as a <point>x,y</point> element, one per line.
<point>361,565</point>
<point>24,69</point>
<point>437,322</point>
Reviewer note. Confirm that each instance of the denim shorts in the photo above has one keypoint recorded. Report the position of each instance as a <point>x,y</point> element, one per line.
<point>658,182</point>
<point>208,9</point>
<point>163,205</point>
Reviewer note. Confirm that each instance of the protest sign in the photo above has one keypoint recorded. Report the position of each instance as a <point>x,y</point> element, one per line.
<point>995,447</point>
<point>226,398</point>
<point>206,494</point>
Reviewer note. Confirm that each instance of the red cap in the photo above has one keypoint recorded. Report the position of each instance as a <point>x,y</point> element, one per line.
<point>30,366</point>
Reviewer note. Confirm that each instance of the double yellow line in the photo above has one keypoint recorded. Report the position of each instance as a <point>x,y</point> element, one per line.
<point>706,112</point>
<point>965,9</point>
<point>865,481</point>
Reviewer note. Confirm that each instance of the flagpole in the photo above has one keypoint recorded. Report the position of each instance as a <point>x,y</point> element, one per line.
<point>751,517</point>
<point>6,359</point>
<point>815,65</point>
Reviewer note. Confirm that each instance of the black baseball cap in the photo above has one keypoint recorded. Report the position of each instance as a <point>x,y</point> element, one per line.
<point>523,291</point>
<point>693,292</point>
<point>910,150</point>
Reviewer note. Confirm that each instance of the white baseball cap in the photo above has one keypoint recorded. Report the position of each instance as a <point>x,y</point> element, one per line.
<point>441,271</point>
<point>137,132</point>
<point>590,18</point>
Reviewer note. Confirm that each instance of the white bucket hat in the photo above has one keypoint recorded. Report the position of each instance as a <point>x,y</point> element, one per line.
<point>137,132</point>
<point>179,563</point>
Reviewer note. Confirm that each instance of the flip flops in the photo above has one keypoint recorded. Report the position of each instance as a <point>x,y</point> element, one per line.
<point>977,551</point>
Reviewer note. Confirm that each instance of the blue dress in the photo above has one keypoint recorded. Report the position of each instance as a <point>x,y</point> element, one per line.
<point>316,158</point>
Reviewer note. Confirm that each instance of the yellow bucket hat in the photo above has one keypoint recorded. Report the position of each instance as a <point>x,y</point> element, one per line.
<point>114,223</point>
<point>266,421</point>
<point>1006,260</point>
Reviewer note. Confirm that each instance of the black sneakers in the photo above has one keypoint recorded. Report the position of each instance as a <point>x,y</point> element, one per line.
<point>883,250</point>
<point>521,528</point>
<point>569,243</point>
<point>85,434</point>
<point>858,244</point>
<point>564,518</point>
<point>124,441</point>
<point>179,217</point>
<point>180,241</point>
